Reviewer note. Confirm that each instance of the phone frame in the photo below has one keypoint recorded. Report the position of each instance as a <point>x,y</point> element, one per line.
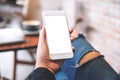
<point>58,55</point>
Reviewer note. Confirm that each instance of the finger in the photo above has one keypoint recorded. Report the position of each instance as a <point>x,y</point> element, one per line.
<point>43,34</point>
<point>59,61</point>
<point>73,48</point>
<point>42,41</point>
<point>70,30</point>
<point>72,38</point>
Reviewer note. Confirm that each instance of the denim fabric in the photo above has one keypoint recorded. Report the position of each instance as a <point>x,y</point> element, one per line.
<point>96,69</point>
<point>61,75</point>
<point>81,48</point>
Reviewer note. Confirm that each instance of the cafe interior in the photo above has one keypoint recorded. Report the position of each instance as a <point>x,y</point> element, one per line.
<point>98,20</point>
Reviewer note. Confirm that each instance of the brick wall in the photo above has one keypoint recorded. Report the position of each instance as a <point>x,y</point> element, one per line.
<point>104,17</point>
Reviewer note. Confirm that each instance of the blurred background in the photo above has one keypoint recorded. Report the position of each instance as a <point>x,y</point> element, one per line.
<point>98,20</point>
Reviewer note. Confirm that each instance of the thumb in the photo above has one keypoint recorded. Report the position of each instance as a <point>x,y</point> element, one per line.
<point>43,34</point>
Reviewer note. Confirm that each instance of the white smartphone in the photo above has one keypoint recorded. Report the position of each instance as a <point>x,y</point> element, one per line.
<point>57,33</point>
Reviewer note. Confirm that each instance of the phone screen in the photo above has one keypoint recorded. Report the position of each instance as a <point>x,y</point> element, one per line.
<point>57,34</point>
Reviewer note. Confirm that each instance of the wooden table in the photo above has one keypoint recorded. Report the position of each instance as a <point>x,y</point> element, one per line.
<point>30,42</point>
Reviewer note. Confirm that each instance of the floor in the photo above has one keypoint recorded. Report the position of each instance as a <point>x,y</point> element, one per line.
<point>6,65</point>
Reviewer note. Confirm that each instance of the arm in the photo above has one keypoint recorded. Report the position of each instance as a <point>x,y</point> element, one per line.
<point>41,74</point>
<point>44,67</point>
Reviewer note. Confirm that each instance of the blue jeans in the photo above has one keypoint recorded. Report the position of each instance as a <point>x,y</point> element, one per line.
<point>96,69</point>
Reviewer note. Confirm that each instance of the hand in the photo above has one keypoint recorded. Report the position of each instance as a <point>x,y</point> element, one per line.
<point>42,59</point>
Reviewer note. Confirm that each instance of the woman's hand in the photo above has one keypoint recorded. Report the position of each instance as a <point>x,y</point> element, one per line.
<point>42,57</point>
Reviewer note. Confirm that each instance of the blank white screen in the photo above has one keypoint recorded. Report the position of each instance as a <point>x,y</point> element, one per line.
<point>57,34</point>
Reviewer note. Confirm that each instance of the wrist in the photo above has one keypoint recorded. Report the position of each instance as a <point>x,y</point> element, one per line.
<point>45,64</point>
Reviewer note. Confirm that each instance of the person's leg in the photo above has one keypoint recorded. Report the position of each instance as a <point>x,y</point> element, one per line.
<point>96,69</point>
<point>61,75</point>
<point>82,47</point>
<point>83,50</point>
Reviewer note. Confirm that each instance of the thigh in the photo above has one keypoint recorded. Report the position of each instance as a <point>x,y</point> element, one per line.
<point>61,75</point>
<point>96,69</point>
<point>82,47</point>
